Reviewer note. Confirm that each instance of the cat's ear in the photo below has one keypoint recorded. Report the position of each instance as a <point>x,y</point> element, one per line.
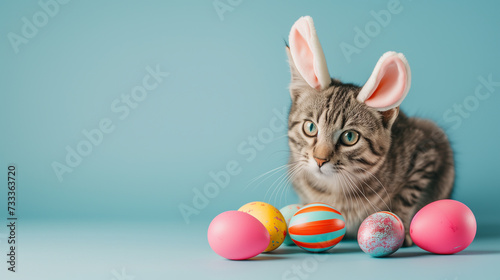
<point>306,57</point>
<point>388,84</point>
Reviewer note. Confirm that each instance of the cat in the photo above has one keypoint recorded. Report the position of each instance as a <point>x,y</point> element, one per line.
<point>351,147</point>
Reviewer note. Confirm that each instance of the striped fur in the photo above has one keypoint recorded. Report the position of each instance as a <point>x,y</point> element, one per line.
<point>399,164</point>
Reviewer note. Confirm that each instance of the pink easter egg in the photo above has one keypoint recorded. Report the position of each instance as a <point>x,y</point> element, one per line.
<point>236,235</point>
<point>443,227</point>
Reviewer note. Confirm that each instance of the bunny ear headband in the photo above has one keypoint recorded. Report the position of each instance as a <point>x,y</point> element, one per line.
<point>386,88</point>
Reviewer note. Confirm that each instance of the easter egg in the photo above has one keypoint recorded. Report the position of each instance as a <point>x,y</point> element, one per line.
<point>317,227</point>
<point>237,235</point>
<point>271,218</point>
<point>381,234</point>
<point>443,227</point>
<point>288,212</point>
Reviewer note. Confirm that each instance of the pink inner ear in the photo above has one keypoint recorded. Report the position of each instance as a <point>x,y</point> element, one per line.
<point>302,53</point>
<point>390,84</point>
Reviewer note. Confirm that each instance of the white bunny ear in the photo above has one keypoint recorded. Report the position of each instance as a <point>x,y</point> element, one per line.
<point>389,83</point>
<point>307,53</point>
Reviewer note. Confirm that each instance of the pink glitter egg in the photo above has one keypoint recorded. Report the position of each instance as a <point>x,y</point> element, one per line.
<point>443,227</point>
<point>381,234</point>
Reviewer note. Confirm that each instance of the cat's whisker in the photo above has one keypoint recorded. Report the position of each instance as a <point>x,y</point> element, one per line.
<point>287,153</point>
<point>267,177</point>
<point>357,197</point>
<point>368,200</point>
<point>347,186</point>
<point>271,186</point>
<point>270,173</point>
<point>358,191</point>
<point>265,173</point>
<point>290,152</point>
<point>284,184</point>
<point>294,174</point>
<point>282,151</point>
<point>382,185</point>
<point>280,185</point>
<point>288,181</point>
<point>342,184</point>
<point>279,137</point>
<point>353,196</point>
<point>385,190</point>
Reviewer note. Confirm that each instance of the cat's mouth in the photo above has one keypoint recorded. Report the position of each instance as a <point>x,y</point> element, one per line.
<point>328,175</point>
<point>328,169</point>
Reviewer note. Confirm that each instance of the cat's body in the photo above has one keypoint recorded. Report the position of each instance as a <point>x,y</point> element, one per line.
<point>352,148</point>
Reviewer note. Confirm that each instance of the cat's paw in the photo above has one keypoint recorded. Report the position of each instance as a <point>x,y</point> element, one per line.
<point>407,242</point>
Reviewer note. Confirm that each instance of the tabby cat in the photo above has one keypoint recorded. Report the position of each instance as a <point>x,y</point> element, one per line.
<point>351,147</point>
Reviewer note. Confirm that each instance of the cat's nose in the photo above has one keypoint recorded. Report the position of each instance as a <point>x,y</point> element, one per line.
<point>321,154</point>
<point>320,161</point>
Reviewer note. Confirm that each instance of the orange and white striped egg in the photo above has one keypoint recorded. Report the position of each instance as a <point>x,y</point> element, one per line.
<point>317,227</point>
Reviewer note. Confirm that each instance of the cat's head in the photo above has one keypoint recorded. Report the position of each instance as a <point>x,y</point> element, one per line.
<point>335,126</point>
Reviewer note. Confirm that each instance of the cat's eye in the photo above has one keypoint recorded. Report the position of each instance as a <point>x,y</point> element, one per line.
<point>349,137</point>
<point>310,128</point>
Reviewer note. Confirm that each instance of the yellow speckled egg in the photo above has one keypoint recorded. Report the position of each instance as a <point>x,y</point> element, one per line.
<point>271,218</point>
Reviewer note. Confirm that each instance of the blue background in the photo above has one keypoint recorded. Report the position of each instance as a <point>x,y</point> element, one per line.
<point>228,75</point>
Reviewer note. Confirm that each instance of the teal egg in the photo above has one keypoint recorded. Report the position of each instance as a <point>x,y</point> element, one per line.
<point>288,212</point>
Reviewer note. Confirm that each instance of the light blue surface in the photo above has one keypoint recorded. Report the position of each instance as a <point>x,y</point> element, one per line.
<point>195,129</point>
<point>119,251</point>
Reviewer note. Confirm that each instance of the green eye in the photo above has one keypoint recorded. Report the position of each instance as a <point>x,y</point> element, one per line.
<point>349,137</point>
<point>310,129</point>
